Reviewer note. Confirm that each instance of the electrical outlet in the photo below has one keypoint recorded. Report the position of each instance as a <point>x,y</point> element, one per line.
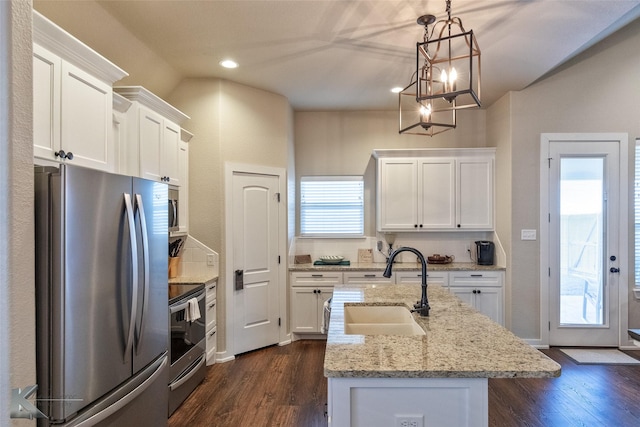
<point>210,259</point>
<point>409,420</point>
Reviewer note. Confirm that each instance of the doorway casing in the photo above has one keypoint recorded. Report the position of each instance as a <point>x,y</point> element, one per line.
<point>229,170</point>
<point>622,220</point>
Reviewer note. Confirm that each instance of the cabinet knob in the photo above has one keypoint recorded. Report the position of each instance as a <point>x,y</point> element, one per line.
<point>458,226</point>
<point>420,225</point>
<point>415,225</point>
<point>64,155</point>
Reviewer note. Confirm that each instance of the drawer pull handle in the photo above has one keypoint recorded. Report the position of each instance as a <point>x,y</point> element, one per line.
<point>212,287</point>
<point>316,275</point>
<point>212,334</point>
<point>476,275</point>
<point>369,275</point>
<point>212,305</point>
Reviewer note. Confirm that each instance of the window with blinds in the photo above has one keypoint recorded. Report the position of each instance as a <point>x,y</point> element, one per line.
<point>636,210</point>
<point>332,206</point>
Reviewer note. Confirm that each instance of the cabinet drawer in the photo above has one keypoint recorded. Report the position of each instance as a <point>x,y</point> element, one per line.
<point>366,277</point>
<point>211,307</point>
<point>212,290</point>
<point>433,277</point>
<point>476,278</point>
<point>316,278</point>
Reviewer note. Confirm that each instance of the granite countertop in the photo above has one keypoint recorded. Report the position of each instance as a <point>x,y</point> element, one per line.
<point>459,342</point>
<point>193,280</point>
<point>401,266</point>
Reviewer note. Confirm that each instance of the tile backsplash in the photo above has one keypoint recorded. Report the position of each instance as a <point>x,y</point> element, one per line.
<point>444,243</point>
<point>197,260</point>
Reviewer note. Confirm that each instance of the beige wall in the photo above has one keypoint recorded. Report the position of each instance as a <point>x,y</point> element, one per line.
<point>597,92</point>
<point>231,123</point>
<point>17,277</point>
<point>499,133</point>
<point>341,143</point>
<point>89,22</point>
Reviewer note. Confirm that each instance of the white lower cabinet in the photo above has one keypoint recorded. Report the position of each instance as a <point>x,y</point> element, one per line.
<point>309,291</point>
<point>210,318</point>
<point>483,291</point>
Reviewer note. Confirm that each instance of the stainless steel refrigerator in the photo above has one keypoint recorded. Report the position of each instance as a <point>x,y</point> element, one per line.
<point>101,295</point>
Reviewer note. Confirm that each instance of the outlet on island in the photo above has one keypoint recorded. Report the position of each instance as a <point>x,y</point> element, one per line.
<point>409,421</point>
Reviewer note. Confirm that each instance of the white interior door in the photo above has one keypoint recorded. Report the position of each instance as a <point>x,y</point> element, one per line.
<point>255,261</point>
<point>584,247</point>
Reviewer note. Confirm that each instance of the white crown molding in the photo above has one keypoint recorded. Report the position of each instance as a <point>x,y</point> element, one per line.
<point>120,103</point>
<point>58,41</point>
<point>148,99</point>
<point>185,135</point>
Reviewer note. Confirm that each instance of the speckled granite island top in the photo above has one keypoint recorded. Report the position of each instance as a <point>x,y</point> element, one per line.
<point>401,266</point>
<point>459,341</point>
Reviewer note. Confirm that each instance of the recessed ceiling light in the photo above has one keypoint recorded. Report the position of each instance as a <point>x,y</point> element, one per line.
<point>396,90</point>
<point>229,63</point>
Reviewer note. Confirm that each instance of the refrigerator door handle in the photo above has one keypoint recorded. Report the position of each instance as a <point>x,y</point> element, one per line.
<point>134,268</point>
<point>145,266</point>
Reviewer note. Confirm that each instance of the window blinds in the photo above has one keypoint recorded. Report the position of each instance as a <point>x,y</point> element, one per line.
<point>332,206</point>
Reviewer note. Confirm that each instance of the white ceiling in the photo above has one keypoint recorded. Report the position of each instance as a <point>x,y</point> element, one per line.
<point>335,55</point>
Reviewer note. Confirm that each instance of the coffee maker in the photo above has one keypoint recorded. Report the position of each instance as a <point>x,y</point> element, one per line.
<point>485,250</point>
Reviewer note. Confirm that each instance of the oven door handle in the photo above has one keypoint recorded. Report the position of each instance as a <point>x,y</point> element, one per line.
<point>185,378</point>
<point>176,308</point>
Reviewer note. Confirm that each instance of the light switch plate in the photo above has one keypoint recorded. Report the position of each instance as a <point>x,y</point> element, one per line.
<point>528,234</point>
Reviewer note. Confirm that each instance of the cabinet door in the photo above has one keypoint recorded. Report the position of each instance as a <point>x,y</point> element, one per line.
<point>86,121</point>
<point>397,194</point>
<point>151,132</point>
<point>323,295</point>
<point>437,204</point>
<point>475,193</point>
<point>183,158</point>
<point>304,310</point>
<point>465,294</point>
<point>46,103</point>
<point>170,149</point>
<point>488,301</point>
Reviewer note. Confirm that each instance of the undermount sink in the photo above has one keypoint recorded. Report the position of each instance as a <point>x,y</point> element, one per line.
<point>379,320</point>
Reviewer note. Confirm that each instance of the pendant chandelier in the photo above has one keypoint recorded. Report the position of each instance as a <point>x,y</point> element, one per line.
<point>447,77</point>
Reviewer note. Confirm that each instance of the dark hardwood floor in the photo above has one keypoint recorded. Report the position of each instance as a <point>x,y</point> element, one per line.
<point>284,386</point>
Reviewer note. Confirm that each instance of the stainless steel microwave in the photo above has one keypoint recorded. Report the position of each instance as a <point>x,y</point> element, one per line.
<point>174,211</point>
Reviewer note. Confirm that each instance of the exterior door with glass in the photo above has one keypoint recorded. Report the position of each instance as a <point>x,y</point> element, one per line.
<point>584,247</point>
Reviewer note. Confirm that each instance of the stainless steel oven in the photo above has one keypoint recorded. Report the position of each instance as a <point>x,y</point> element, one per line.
<point>187,343</point>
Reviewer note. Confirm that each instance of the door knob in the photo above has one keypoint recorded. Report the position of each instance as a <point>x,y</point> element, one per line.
<point>612,258</point>
<point>614,270</point>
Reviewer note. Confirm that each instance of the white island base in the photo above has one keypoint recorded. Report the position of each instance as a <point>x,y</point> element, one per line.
<point>410,402</point>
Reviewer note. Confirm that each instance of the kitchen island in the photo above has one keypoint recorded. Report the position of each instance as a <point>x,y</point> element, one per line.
<point>439,378</point>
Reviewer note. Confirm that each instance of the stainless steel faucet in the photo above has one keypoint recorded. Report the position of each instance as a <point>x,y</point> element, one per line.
<point>422,306</point>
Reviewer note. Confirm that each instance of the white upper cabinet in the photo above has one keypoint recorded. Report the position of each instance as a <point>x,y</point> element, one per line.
<point>72,99</point>
<point>183,163</point>
<point>153,136</point>
<point>435,189</point>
